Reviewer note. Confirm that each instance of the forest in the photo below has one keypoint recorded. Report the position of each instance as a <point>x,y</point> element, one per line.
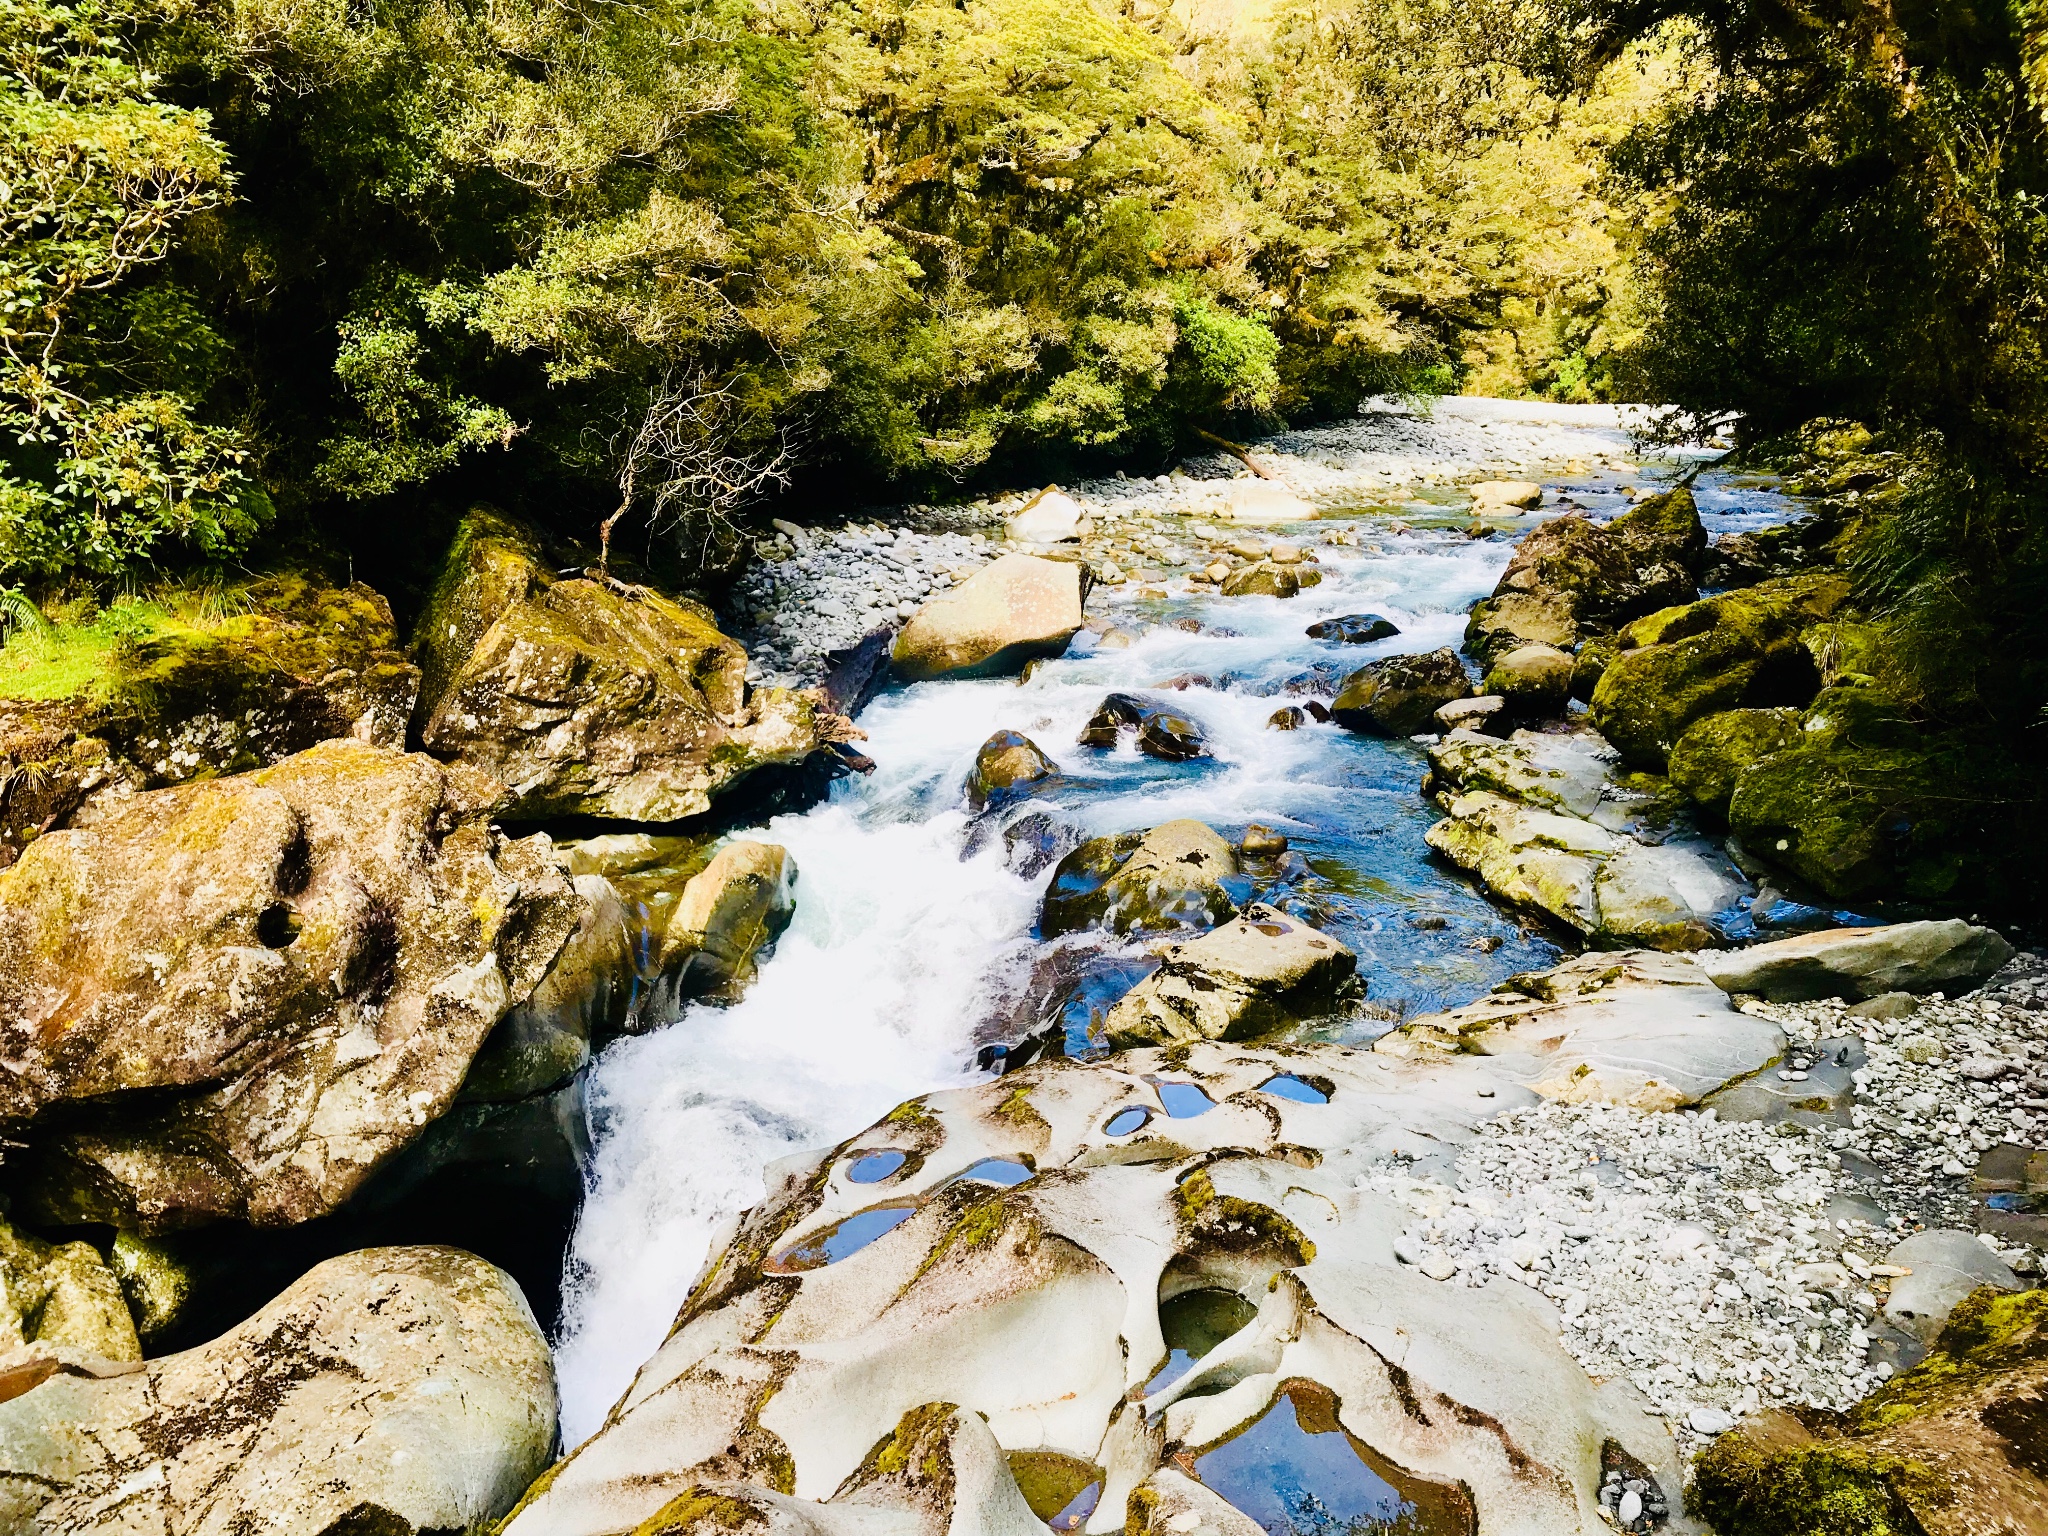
<point>306,279</point>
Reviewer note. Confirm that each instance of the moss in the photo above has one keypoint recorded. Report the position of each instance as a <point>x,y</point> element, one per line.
<point>1714,751</point>
<point>535,1491</point>
<point>1139,1511</point>
<point>1990,1331</point>
<point>698,1507</point>
<point>1829,1489</point>
<point>915,1115</point>
<point>1016,1109</point>
<point>980,1224</point>
<point>1225,1221</point>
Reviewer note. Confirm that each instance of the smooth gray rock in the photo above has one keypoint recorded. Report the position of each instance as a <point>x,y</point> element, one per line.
<point>1862,962</point>
<point>1946,1266</point>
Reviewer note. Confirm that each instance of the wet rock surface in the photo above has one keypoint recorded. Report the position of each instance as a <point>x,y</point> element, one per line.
<point>1246,978</point>
<point>1157,729</point>
<point>1400,695</point>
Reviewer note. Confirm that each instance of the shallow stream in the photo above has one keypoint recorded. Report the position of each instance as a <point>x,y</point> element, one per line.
<point>904,957</point>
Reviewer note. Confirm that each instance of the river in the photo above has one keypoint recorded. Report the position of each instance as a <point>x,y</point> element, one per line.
<point>904,955</point>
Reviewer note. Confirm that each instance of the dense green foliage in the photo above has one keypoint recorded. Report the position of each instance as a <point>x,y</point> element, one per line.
<point>333,271</point>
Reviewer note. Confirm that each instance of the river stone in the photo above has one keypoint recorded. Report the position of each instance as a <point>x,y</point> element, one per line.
<point>63,1298</point>
<point>1714,752</point>
<point>265,983</point>
<point>1493,495</point>
<point>1863,962</point>
<point>1741,650</point>
<point>1263,578</point>
<point>1638,1028</point>
<point>1948,1448</point>
<point>1036,1308</point>
<point>1572,578</point>
<point>1945,1267</point>
<point>1261,503</point>
<point>1399,695</point>
<point>1169,877</point>
<point>731,910</point>
<point>592,699</point>
<point>1353,628</point>
<point>1050,517</point>
<point>399,1391</point>
<point>1161,732</point>
<point>1253,974</point>
<point>1481,714</point>
<point>1013,609</point>
<point>1534,679</point>
<point>1571,774</point>
<point>1008,765</point>
<point>1605,884</point>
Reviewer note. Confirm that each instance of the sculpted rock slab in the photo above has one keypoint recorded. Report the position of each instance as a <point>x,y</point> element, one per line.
<point>267,983</point>
<point>1037,1309</point>
<point>1862,962</point>
<point>1251,975</point>
<point>589,699</point>
<point>1011,610</point>
<point>399,1391</point>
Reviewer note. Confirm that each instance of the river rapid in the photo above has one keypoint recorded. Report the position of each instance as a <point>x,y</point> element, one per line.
<point>913,944</point>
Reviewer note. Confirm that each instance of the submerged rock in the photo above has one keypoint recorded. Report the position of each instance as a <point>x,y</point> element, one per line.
<point>1572,578</point>
<point>1950,1448</point>
<point>1244,979</point>
<point>1008,765</point>
<point>1353,629</point>
<point>1011,610</point>
<point>1161,732</point>
<point>400,1391</point>
<point>1037,1309</point>
<point>589,698</point>
<point>267,984</point>
<point>1169,877</point>
<point>1400,695</point>
<point>1863,962</point>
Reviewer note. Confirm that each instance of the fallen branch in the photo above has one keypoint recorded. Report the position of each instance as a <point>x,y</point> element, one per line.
<point>1238,450</point>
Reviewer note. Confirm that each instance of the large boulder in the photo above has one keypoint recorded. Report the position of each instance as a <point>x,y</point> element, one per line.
<point>1938,1270</point>
<point>264,985</point>
<point>1716,750</point>
<point>493,565</point>
<point>1949,1448</point>
<point>1259,971</point>
<point>1534,679</point>
<point>397,1391</point>
<point>1050,517</point>
<point>1269,578</point>
<point>812,1378</point>
<point>1571,578</point>
<point>1261,503</point>
<point>1013,609</point>
<point>1400,695</point>
<point>590,698</point>
<point>1742,650</point>
<point>1169,877</point>
<point>1863,962</point>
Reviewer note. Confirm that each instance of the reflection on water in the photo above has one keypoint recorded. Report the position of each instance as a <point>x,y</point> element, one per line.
<point>1288,1086</point>
<point>1193,1323</point>
<point>1297,1472</point>
<point>842,1240</point>
<point>1182,1101</point>
<point>873,1167</point>
<point>1061,1490</point>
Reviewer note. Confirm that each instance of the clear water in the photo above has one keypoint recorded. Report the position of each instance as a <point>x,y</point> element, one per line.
<point>1003,1172</point>
<point>1183,1101</point>
<point>1193,1323</point>
<point>873,1167</point>
<point>1125,1121</point>
<point>904,957</point>
<point>843,1239</point>
<point>1288,1086</point>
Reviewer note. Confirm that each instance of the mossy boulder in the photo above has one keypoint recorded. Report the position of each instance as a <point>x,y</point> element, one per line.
<point>62,1297</point>
<point>1266,578</point>
<point>1957,1445</point>
<point>1741,650</point>
<point>493,564</point>
<point>1400,695</point>
<point>1865,802</point>
<point>1715,750</point>
<point>1534,679</point>
<point>1571,577</point>
<point>592,698</point>
<point>261,986</point>
<point>1156,881</point>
